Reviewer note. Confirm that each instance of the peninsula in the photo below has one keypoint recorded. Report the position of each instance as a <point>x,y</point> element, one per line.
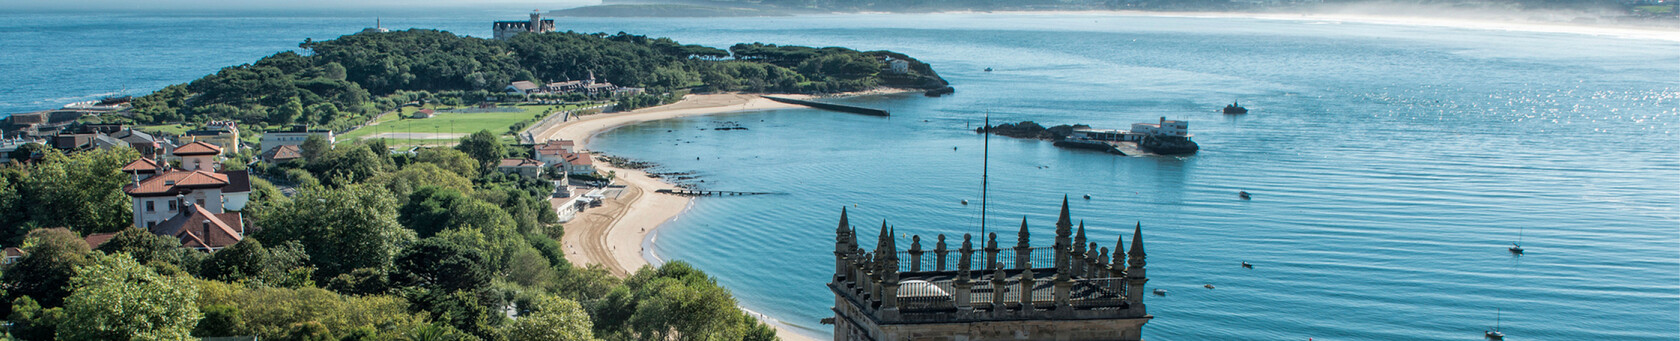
<point>338,160</point>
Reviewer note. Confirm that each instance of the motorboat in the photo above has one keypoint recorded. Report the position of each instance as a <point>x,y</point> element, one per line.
<point>1235,108</point>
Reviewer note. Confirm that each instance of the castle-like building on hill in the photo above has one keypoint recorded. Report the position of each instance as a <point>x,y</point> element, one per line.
<point>508,29</point>
<point>1072,291</point>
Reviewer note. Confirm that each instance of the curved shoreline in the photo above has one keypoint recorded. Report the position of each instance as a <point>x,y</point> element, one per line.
<point>618,235</point>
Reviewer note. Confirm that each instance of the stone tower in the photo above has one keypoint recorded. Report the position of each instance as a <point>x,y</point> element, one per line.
<point>1070,292</point>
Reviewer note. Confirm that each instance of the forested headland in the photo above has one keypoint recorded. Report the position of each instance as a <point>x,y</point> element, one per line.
<point>372,246</point>
<point>341,82</point>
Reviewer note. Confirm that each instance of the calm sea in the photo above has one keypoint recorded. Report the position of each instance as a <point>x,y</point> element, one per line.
<point>1390,166</point>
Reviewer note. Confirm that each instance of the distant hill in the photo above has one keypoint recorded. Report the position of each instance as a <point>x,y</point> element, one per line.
<point>665,11</point>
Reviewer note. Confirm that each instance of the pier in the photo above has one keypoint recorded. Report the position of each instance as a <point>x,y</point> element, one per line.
<point>701,193</point>
<point>831,106</point>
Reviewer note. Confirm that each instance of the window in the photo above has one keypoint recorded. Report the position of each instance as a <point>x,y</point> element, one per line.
<point>172,205</point>
<point>201,201</point>
<point>149,207</point>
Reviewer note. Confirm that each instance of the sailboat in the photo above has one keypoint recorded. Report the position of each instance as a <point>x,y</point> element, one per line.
<point>1495,334</point>
<point>1516,247</point>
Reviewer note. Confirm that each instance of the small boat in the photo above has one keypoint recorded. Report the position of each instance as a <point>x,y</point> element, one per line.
<point>1160,292</point>
<point>965,202</point>
<point>1235,108</point>
<point>1516,246</point>
<point>988,69</point>
<point>1495,334</point>
<point>1087,197</point>
<point>1248,266</point>
<point>1243,195</point>
<point>1209,286</point>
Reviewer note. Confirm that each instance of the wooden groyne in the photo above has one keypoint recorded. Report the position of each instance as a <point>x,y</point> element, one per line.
<point>831,106</point>
<point>701,193</point>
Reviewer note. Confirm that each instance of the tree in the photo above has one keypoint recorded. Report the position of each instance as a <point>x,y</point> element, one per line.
<point>44,272</point>
<point>323,113</point>
<point>313,146</point>
<point>220,320</point>
<point>270,312</point>
<point>31,322</point>
<point>82,191</point>
<point>117,298</point>
<point>286,113</point>
<point>30,150</point>
<point>450,159</point>
<point>342,229</point>
<point>344,166</point>
<point>438,264</point>
<point>405,181</point>
<point>552,319</point>
<point>246,259</point>
<point>427,211</point>
<point>485,147</point>
<point>141,244</point>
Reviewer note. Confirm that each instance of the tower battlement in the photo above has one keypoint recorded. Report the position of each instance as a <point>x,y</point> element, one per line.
<point>1074,290</point>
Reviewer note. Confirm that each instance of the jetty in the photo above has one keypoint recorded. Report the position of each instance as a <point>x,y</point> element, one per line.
<point>703,193</point>
<point>830,106</point>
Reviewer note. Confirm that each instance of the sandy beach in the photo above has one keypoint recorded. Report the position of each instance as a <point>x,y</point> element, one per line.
<point>612,235</point>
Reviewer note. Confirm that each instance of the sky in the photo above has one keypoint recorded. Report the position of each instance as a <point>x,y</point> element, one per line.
<point>95,5</point>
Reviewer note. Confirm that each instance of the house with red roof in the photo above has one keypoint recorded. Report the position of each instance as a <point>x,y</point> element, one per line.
<point>565,155</point>
<point>526,167</point>
<point>197,203</point>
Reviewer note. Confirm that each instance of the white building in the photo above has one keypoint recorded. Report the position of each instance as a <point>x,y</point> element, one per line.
<point>1139,130</point>
<point>198,204</point>
<point>292,137</point>
<point>899,66</point>
<point>1165,127</point>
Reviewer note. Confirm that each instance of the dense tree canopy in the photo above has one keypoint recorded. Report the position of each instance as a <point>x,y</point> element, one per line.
<point>116,298</point>
<point>339,83</point>
<point>340,260</point>
<point>342,229</point>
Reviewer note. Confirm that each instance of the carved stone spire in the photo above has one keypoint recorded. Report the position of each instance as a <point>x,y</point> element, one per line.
<point>1079,239</point>
<point>1064,243</point>
<point>1137,255</point>
<point>1119,260</point>
<point>1077,260</point>
<point>843,229</point>
<point>842,252</point>
<point>1024,237</point>
<point>1135,276</point>
<point>1023,250</point>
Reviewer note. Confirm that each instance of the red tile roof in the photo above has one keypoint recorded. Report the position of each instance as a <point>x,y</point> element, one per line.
<point>198,148</point>
<point>198,228</point>
<point>176,182</point>
<point>14,252</point>
<point>521,163</point>
<point>579,158</point>
<point>143,165</point>
<point>282,153</point>
<point>93,240</point>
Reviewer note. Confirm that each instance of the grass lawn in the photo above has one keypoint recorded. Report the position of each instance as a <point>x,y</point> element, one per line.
<point>1655,9</point>
<point>176,129</point>
<point>449,123</point>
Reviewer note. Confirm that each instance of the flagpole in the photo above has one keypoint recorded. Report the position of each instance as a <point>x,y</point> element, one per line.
<point>985,166</point>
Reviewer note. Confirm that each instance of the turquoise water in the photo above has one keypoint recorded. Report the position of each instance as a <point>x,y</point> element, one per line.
<point>1390,165</point>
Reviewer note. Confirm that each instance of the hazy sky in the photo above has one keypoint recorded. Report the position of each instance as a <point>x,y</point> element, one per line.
<point>278,4</point>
